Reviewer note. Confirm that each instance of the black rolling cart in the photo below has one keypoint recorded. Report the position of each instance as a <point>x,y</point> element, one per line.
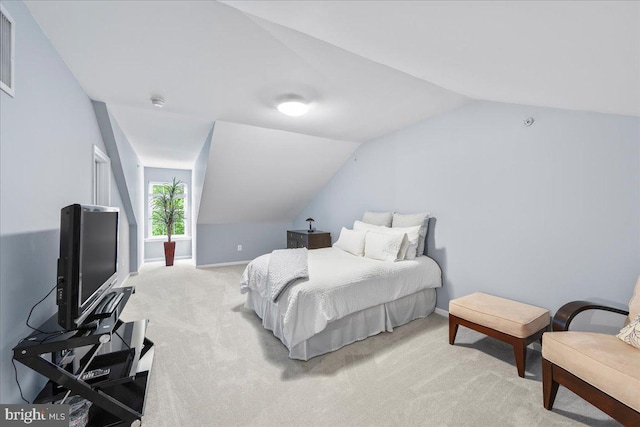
<point>108,364</point>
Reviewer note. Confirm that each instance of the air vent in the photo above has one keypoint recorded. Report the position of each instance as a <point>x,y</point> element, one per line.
<point>7,52</point>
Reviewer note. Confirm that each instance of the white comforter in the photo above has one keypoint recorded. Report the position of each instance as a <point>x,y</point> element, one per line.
<point>339,284</point>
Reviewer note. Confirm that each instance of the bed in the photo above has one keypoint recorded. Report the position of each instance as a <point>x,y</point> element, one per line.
<point>346,298</point>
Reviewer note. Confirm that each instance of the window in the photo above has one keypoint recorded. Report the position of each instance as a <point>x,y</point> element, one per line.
<point>156,228</point>
<point>7,52</point>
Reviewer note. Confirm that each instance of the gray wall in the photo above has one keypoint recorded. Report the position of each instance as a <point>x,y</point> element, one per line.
<point>218,243</point>
<point>134,181</point>
<point>128,176</point>
<point>153,248</point>
<point>47,134</point>
<point>543,214</point>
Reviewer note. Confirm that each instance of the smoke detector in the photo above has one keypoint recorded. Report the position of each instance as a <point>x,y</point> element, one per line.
<point>157,101</point>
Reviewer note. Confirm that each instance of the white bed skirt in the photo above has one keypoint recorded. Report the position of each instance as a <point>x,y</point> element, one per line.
<point>349,329</point>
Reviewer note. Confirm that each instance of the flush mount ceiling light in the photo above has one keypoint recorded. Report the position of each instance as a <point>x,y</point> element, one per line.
<point>293,106</point>
<point>157,102</point>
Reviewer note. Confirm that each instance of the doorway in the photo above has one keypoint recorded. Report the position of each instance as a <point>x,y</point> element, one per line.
<point>101,178</point>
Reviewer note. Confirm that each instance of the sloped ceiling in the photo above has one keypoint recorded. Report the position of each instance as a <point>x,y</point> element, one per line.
<point>368,68</point>
<point>582,55</point>
<point>213,62</point>
<point>163,139</point>
<point>259,175</point>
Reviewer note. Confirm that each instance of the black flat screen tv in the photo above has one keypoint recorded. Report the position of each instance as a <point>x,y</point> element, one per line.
<point>88,263</point>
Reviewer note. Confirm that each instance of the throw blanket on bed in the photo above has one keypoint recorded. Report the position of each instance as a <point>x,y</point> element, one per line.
<point>285,267</point>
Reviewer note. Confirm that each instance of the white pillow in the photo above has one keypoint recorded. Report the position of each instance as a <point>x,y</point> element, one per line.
<point>409,245</point>
<point>382,246</point>
<point>351,241</point>
<point>413,239</point>
<point>363,226</point>
<point>378,218</point>
<point>629,334</point>
<point>411,220</point>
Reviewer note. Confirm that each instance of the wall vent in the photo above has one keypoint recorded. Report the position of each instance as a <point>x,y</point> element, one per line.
<point>7,52</point>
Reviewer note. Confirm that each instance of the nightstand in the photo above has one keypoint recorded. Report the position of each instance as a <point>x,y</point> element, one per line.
<point>309,240</point>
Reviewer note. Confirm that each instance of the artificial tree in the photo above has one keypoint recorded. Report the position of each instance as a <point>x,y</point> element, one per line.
<point>167,212</point>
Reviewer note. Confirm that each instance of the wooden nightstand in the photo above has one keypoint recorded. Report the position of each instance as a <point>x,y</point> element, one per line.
<point>305,239</point>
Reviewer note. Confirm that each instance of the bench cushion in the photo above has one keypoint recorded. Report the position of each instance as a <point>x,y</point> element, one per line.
<point>602,360</point>
<point>510,317</point>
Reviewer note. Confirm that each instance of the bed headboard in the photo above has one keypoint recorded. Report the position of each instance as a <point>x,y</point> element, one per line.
<point>428,243</point>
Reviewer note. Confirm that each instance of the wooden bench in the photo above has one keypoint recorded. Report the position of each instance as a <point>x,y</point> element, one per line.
<point>509,321</point>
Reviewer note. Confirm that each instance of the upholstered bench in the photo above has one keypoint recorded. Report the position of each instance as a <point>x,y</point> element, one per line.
<point>513,322</point>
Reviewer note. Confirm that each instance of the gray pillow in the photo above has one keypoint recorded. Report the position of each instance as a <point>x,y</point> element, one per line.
<point>411,220</point>
<point>378,218</point>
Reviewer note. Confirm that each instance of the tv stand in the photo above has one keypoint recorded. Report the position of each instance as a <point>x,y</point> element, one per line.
<point>108,363</point>
<point>110,302</point>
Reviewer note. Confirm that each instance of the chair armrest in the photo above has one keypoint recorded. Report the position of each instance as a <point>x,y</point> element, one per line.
<point>567,312</point>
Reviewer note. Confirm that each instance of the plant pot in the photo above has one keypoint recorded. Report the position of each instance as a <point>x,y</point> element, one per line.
<point>169,253</point>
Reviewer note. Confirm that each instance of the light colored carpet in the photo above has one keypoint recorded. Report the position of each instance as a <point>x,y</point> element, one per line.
<point>216,366</point>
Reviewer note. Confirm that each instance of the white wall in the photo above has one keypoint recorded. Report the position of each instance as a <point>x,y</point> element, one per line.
<point>47,135</point>
<point>543,214</point>
<point>198,175</point>
<point>124,236</point>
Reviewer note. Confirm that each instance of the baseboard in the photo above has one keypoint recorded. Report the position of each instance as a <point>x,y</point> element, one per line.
<point>441,312</point>
<point>162,259</point>
<point>223,264</point>
<point>124,280</point>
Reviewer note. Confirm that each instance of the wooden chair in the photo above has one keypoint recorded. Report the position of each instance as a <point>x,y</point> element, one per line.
<point>600,368</point>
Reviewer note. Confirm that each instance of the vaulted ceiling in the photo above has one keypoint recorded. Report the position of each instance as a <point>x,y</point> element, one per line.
<point>367,67</point>
<point>582,55</point>
<point>213,62</point>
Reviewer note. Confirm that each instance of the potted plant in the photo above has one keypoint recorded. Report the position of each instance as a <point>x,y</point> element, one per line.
<point>167,211</point>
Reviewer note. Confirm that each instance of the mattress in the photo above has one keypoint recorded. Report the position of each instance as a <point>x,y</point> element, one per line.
<point>339,285</point>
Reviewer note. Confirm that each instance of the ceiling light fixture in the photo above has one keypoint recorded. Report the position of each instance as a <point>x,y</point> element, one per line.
<point>293,106</point>
<point>157,102</point>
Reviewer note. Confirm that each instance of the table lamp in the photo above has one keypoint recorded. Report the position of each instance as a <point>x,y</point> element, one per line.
<point>310,220</point>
